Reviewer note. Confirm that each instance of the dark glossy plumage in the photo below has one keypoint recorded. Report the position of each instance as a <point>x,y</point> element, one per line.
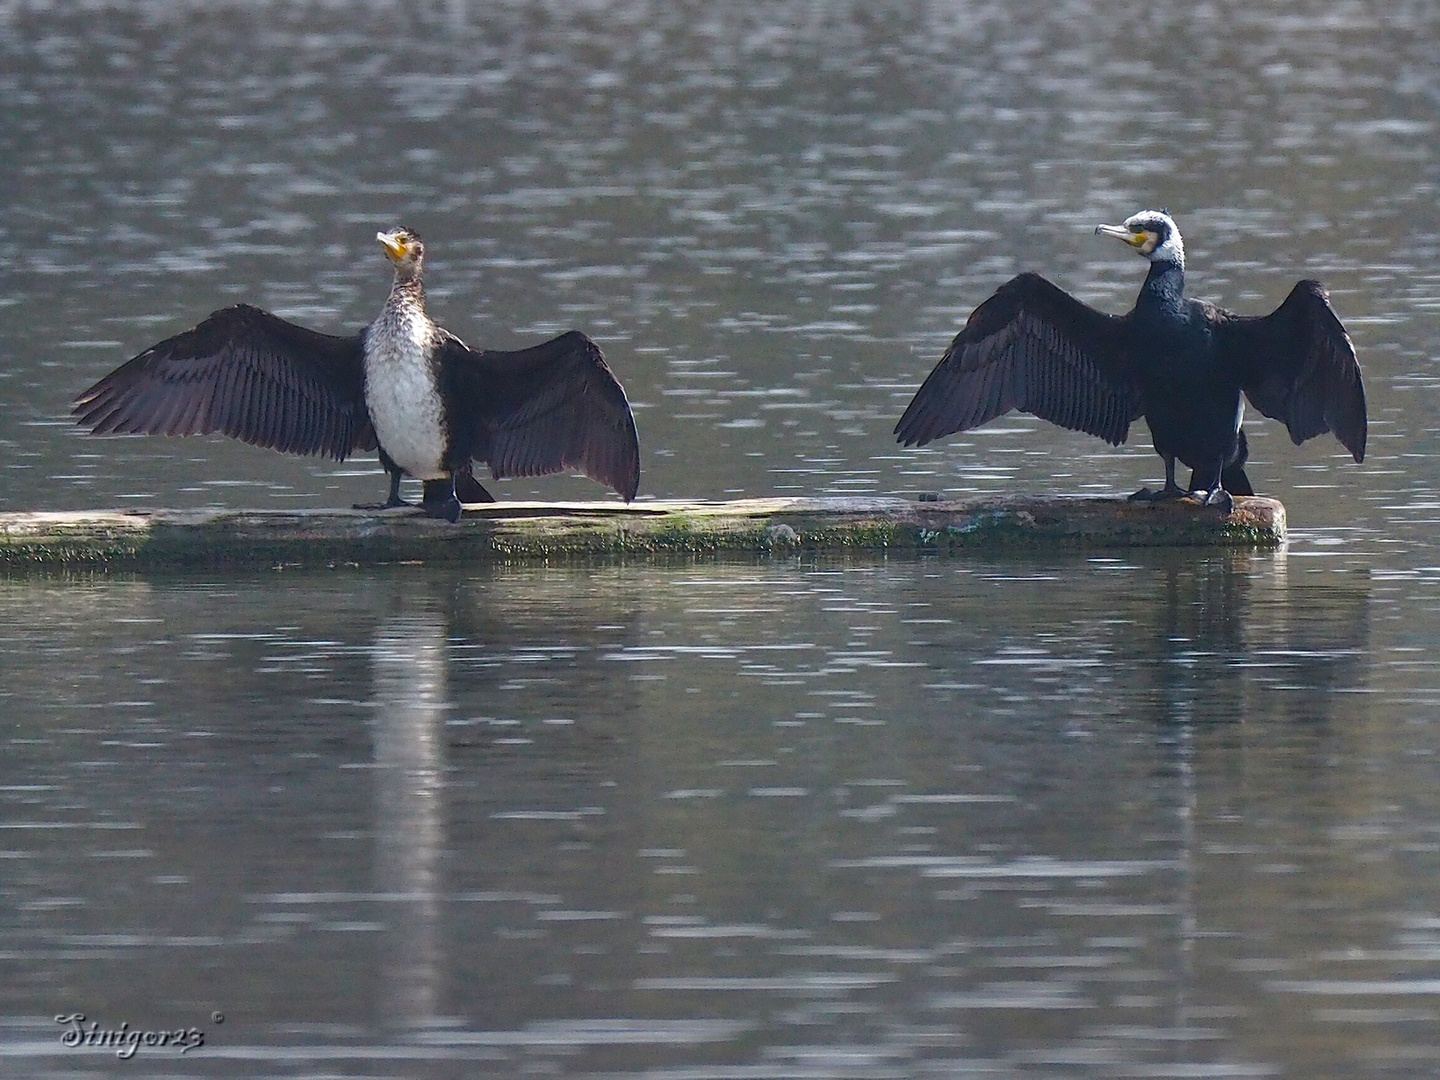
<point>248,374</point>
<point>1031,347</point>
<point>266,381</point>
<point>1182,364</point>
<point>550,407</point>
<point>1297,365</point>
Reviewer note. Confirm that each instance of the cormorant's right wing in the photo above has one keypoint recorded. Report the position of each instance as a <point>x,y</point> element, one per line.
<point>544,409</point>
<point>244,372</point>
<point>1033,347</point>
<point>1297,365</point>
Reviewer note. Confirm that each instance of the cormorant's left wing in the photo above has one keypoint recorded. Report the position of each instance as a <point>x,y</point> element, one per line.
<point>1297,365</point>
<point>541,410</point>
<point>1033,347</point>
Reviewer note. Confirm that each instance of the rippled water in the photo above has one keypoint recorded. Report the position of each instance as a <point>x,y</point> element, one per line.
<point>1147,815</point>
<point>849,820</point>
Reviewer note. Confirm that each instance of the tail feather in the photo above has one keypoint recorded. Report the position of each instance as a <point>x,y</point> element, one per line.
<point>1234,480</point>
<point>1232,477</point>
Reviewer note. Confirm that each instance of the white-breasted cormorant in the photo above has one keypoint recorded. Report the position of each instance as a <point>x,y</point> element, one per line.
<point>428,402</point>
<point>1182,364</point>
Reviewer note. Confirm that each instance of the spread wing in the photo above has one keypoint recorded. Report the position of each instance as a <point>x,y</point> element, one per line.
<point>244,372</point>
<point>541,410</point>
<point>1297,365</point>
<point>1033,347</point>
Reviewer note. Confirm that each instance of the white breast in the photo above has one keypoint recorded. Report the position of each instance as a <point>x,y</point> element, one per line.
<point>402,397</point>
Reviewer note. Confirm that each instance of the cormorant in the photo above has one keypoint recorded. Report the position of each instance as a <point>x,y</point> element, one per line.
<point>428,402</point>
<point>1180,363</point>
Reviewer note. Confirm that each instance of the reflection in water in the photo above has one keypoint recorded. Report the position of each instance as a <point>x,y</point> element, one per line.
<point>834,820</point>
<point>1236,645</point>
<point>1150,665</point>
<point>411,705</point>
<point>1230,643</point>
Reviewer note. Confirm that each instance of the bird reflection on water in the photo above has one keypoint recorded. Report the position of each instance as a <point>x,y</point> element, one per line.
<point>1242,658</point>
<point>411,704</point>
<point>498,794</point>
<point>1228,644</point>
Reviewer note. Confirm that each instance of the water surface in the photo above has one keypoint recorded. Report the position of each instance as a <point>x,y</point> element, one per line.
<point>792,819</point>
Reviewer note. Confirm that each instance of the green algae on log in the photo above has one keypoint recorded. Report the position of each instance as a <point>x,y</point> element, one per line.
<point>515,531</point>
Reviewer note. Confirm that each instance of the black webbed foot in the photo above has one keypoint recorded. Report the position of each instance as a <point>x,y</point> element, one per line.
<point>440,500</point>
<point>393,499</point>
<point>1171,490</point>
<point>1166,493</point>
<point>1216,496</point>
<point>445,509</point>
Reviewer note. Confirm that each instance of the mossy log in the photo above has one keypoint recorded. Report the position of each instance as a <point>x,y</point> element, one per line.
<point>505,532</point>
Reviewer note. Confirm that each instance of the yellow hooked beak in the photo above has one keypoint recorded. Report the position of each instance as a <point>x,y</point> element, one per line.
<point>395,247</point>
<point>1143,241</point>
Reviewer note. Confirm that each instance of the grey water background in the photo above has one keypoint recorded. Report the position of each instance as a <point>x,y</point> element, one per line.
<point>1136,814</point>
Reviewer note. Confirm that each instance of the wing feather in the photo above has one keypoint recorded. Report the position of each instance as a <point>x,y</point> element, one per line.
<point>541,410</point>
<point>244,372</point>
<point>1297,365</point>
<point>1035,348</point>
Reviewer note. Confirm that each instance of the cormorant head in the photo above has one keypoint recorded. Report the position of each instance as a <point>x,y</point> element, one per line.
<point>406,251</point>
<point>1152,233</point>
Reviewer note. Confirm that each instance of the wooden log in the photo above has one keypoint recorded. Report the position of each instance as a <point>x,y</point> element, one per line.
<point>504,532</point>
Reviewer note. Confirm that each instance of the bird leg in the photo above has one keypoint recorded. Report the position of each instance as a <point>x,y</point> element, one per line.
<point>1215,494</point>
<point>394,500</point>
<point>440,500</point>
<point>1171,490</point>
<point>447,498</point>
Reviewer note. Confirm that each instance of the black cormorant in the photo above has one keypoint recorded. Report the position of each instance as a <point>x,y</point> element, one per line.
<point>1180,363</point>
<point>428,402</point>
